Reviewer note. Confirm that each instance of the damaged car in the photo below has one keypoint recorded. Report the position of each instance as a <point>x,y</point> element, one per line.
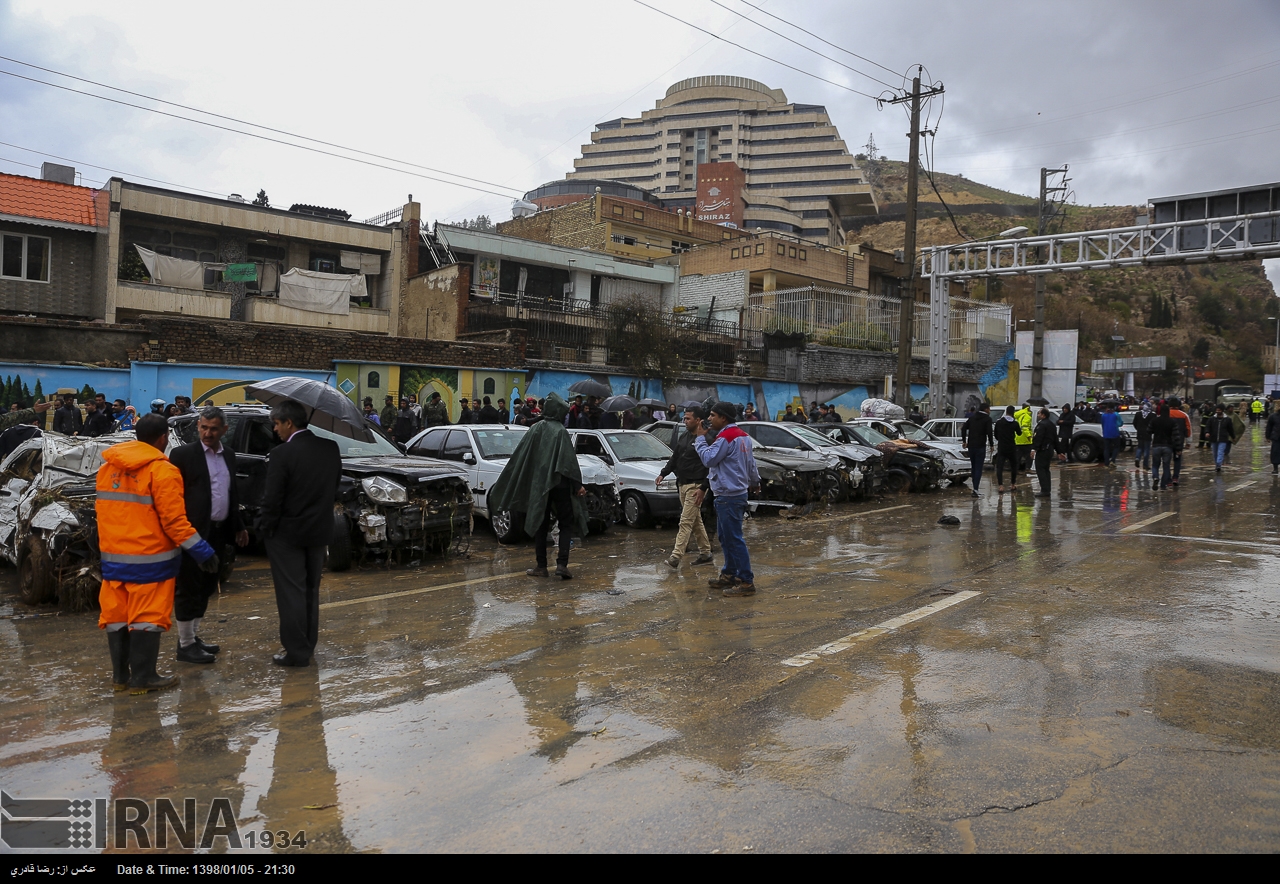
<point>786,479</point>
<point>860,469</point>
<point>390,505</point>
<point>48,524</point>
<point>909,466</point>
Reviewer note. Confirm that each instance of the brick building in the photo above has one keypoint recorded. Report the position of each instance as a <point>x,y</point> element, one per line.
<point>50,232</point>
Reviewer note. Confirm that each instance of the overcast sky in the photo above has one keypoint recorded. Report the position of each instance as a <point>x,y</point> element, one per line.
<point>1141,99</point>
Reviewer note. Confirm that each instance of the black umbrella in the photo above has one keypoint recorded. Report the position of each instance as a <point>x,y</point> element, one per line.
<point>652,403</point>
<point>618,403</point>
<point>329,408</point>
<point>691,404</point>
<point>591,387</point>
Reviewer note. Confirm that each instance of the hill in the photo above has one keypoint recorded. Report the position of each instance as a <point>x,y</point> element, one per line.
<point>1213,315</point>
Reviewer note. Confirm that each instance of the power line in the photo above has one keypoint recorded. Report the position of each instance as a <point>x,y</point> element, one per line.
<point>801,45</point>
<point>246,122</point>
<point>756,54</point>
<point>828,42</point>
<point>80,163</point>
<point>264,137</point>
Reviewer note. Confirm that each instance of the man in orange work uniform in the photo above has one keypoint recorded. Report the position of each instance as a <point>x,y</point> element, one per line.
<point>142,531</point>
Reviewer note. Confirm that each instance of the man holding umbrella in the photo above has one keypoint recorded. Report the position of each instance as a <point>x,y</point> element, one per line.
<point>296,518</point>
<point>542,479</point>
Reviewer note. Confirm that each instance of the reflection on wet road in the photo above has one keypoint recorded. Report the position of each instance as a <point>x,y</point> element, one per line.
<point>1095,671</point>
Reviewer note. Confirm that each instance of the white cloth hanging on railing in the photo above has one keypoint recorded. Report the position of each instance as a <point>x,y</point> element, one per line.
<point>176,272</point>
<point>370,265</point>
<point>321,292</point>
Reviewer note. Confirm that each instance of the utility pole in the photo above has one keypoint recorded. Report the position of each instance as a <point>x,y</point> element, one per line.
<point>1046,210</point>
<point>906,325</point>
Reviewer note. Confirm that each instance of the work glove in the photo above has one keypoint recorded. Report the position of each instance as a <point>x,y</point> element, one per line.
<point>210,565</point>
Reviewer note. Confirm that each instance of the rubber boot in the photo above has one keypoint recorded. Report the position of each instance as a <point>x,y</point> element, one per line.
<point>118,642</point>
<point>144,651</point>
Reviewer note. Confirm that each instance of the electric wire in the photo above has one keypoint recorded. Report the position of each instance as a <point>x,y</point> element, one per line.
<point>801,45</point>
<point>79,163</point>
<point>756,54</point>
<point>246,122</point>
<point>280,141</point>
<point>827,42</point>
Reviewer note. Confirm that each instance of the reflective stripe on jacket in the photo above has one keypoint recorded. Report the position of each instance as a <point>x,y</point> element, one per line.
<point>142,516</point>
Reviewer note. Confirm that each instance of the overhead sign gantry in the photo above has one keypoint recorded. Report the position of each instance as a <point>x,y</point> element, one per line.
<point>1229,225</point>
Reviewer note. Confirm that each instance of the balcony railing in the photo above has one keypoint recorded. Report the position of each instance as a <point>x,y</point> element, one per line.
<point>574,331</point>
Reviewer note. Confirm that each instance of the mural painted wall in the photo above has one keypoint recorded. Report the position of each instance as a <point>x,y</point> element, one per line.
<point>999,384</point>
<point>112,382</point>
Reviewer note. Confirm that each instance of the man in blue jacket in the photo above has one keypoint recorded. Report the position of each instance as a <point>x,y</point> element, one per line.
<point>732,473</point>
<point>1110,434</point>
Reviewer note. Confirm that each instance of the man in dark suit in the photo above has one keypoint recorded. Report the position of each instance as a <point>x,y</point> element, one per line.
<point>297,522</point>
<point>213,508</point>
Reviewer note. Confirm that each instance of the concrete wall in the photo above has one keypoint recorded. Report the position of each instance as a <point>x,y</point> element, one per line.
<point>728,289</point>
<point>436,303</point>
<point>53,341</point>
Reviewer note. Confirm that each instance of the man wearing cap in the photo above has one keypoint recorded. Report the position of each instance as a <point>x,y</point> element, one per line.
<point>435,413</point>
<point>732,473</point>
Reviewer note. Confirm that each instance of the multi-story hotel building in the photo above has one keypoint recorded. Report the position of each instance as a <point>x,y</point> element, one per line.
<point>799,176</point>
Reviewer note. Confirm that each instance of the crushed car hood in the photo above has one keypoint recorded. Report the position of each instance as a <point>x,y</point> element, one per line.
<point>408,467</point>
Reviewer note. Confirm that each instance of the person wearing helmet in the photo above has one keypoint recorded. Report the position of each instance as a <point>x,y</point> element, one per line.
<point>157,406</point>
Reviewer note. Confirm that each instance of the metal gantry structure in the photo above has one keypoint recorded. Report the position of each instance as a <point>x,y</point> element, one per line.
<point>1206,240</point>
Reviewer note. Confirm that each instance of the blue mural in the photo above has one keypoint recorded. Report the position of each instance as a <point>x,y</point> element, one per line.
<point>111,382</point>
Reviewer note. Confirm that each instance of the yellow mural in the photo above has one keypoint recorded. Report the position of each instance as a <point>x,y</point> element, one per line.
<point>1006,391</point>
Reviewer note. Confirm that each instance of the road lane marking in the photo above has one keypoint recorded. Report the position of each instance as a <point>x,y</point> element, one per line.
<point>905,506</point>
<point>1242,485</point>
<point>1259,547</point>
<point>1145,522</point>
<point>396,595</point>
<point>842,644</point>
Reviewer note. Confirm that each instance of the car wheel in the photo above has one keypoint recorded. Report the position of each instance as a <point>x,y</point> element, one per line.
<point>36,581</point>
<point>507,526</point>
<point>896,482</point>
<point>340,543</point>
<point>635,511</point>
<point>1085,450</point>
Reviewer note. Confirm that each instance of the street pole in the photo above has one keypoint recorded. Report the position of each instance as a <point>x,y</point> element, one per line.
<point>1037,349</point>
<point>906,325</point>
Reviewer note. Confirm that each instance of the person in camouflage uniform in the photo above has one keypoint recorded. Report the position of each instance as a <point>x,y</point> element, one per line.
<point>435,413</point>
<point>24,416</point>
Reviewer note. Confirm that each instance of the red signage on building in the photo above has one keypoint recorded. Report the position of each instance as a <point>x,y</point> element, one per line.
<point>720,194</point>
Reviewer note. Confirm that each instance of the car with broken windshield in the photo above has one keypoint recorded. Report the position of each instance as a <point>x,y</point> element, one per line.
<point>390,506</point>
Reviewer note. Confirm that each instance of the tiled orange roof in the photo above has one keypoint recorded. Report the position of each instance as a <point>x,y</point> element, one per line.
<point>47,200</point>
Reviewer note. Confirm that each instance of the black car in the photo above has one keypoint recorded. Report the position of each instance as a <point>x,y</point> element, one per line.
<point>861,469</point>
<point>907,470</point>
<point>389,504</point>
<point>785,479</point>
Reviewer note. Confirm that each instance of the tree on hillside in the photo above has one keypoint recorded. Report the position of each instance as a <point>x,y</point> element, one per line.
<point>1200,352</point>
<point>262,200</point>
<point>479,222</point>
<point>1161,313</point>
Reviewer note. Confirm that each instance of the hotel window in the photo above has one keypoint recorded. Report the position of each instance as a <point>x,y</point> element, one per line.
<point>760,249</point>
<point>791,252</point>
<point>782,250</point>
<point>733,254</point>
<point>24,257</point>
<point>617,210</point>
<point>804,256</point>
<point>637,214</point>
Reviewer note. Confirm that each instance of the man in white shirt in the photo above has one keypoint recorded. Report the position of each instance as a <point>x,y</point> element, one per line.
<point>213,508</point>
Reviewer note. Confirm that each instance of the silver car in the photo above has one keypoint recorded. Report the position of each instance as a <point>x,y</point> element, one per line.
<point>483,451</point>
<point>636,458</point>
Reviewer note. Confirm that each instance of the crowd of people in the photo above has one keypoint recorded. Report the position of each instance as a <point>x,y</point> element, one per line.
<point>89,419</point>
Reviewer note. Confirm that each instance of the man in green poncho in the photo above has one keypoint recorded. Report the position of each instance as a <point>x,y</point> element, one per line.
<point>541,480</point>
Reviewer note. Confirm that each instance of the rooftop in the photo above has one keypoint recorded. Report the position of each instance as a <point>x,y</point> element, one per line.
<point>47,202</point>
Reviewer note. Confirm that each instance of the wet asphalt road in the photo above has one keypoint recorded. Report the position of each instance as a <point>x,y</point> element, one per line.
<point>1112,685</point>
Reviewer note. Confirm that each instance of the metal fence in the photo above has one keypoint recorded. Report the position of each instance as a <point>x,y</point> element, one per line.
<point>865,321</point>
<point>574,331</point>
